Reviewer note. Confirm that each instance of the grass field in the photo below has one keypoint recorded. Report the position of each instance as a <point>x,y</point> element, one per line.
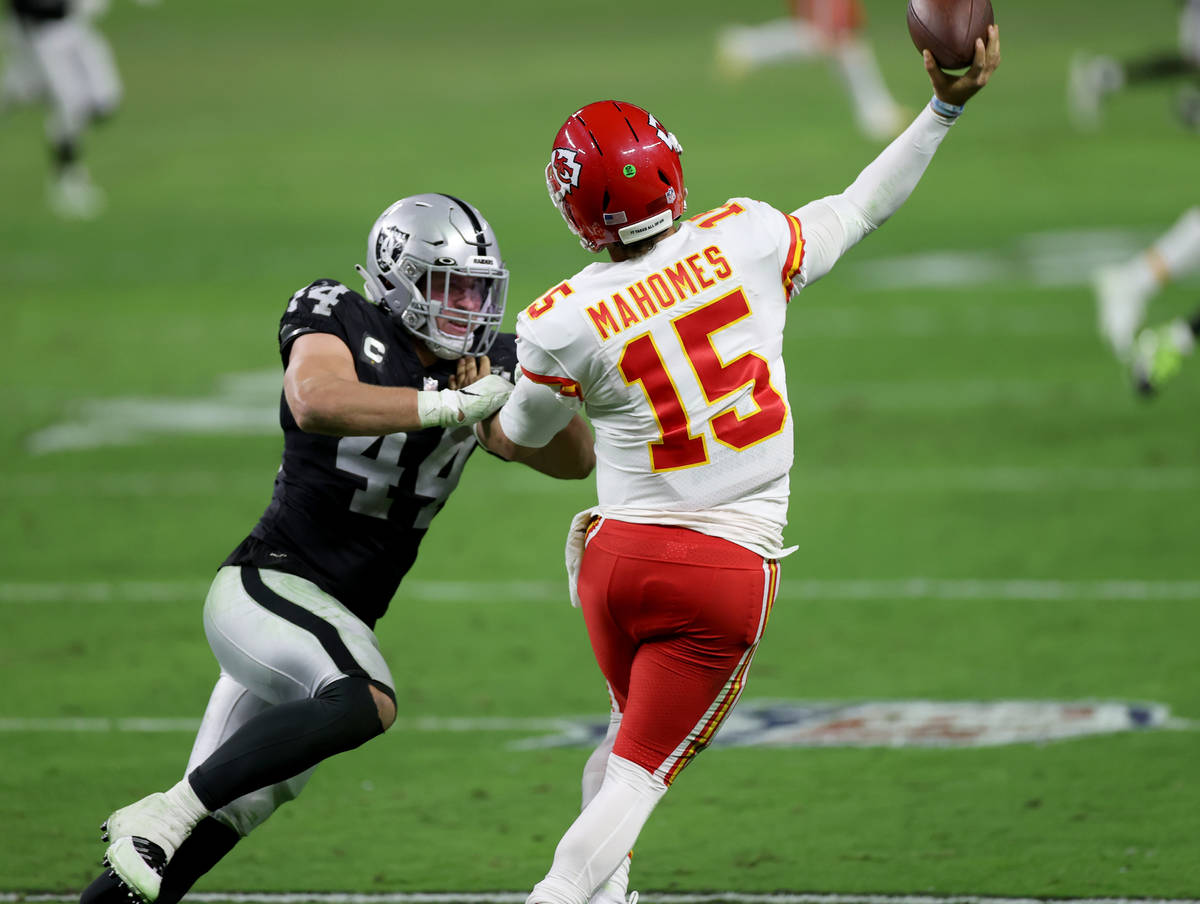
<point>984,511</point>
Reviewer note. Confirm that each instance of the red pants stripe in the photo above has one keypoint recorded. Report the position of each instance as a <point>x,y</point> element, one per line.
<point>674,617</point>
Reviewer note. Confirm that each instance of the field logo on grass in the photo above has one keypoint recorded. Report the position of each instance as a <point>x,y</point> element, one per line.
<point>243,404</point>
<point>777,723</point>
<point>902,723</point>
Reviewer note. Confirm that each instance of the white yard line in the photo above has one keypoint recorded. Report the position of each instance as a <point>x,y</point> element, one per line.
<point>572,726</point>
<point>514,897</point>
<point>866,479</point>
<point>189,725</point>
<point>839,589</point>
<point>856,322</point>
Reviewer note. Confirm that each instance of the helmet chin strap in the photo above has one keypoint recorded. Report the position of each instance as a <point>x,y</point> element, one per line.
<point>372,287</point>
<point>461,344</point>
<point>441,351</point>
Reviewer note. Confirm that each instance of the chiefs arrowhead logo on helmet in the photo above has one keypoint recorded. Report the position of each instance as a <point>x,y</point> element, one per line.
<point>563,172</point>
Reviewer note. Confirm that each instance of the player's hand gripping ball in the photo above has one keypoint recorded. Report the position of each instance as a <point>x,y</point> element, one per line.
<point>948,28</point>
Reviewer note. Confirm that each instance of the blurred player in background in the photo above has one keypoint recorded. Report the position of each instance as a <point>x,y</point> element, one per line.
<point>61,58</point>
<point>379,395</point>
<point>833,29</point>
<point>674,346</point>
<point>1123,292</point>
<point>1093,78</point>
<point>20,80</point>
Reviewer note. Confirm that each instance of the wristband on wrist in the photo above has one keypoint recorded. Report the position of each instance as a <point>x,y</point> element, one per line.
<point>945,110</point>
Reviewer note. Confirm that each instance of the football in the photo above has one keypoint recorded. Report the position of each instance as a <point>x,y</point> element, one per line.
<point>948,28</point>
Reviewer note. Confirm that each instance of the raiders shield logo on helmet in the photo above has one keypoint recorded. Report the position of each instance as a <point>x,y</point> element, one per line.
<point>389,245</point>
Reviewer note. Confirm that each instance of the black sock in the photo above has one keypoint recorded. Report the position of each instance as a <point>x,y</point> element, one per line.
<point>65,153</point>
<point>1194,324</point>
<point>286,739</point>
<point>209,842</point>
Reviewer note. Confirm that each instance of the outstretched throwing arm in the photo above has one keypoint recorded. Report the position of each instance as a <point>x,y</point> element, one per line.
<point>835,224</point>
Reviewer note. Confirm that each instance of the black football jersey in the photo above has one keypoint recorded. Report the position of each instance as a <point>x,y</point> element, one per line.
<point>348,513</point>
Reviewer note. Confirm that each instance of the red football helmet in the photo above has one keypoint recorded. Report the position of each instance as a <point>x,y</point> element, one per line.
<point>615,175</point>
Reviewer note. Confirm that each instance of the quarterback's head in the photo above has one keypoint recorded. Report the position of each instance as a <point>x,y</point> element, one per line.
<point>434,264</point>
<point>615,175</point>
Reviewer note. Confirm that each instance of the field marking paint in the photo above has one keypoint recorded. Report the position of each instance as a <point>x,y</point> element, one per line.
<point>247,404</point>
<point>839,590</point>
<point>189,725</point>
<point>968,589</point>
<point>943,724</point>
<point>515,897</point>
<point>952,395</point>
<point>847,321</point>
<point>242,404</point>
<point>522,482</point>
<point>1061,259</point>
<point>998,479</point>
<point>200,482</point>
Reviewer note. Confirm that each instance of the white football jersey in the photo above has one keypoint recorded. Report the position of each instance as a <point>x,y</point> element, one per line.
<point>678,358</point>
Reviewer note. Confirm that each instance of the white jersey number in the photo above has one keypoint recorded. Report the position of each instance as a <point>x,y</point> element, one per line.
<point>382,472</point>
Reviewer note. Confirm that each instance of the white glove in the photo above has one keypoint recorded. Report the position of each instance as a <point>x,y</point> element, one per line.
<point>576,537</point>
<point>461,407</point>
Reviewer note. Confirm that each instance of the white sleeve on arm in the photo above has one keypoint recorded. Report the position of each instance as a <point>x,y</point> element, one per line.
<point>534,413</point>
<point>835,224</point>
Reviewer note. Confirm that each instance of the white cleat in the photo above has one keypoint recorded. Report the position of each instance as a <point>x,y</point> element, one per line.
<point>73,196</point>
<point>146,835</point>
<point>1120,307</point>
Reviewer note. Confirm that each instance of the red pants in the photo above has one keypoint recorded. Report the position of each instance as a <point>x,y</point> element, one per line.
<point>674,617</point>
<point>834,17</point>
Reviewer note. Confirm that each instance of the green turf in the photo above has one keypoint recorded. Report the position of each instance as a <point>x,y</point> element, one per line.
<point>974,431</point>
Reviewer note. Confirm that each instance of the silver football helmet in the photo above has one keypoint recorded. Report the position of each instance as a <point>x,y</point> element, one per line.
<point>433,263</point>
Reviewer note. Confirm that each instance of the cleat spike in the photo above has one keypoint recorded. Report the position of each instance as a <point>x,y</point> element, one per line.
<point>147,833</point>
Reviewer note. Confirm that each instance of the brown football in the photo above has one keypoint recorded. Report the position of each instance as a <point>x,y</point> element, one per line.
<point>948,28</point>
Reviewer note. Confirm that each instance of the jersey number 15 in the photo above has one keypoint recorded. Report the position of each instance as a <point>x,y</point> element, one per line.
<point>679,446</point>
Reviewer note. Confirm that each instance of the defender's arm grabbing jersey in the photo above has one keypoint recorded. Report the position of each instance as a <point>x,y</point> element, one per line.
<point>348,513</point>
<point>678,357</point>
